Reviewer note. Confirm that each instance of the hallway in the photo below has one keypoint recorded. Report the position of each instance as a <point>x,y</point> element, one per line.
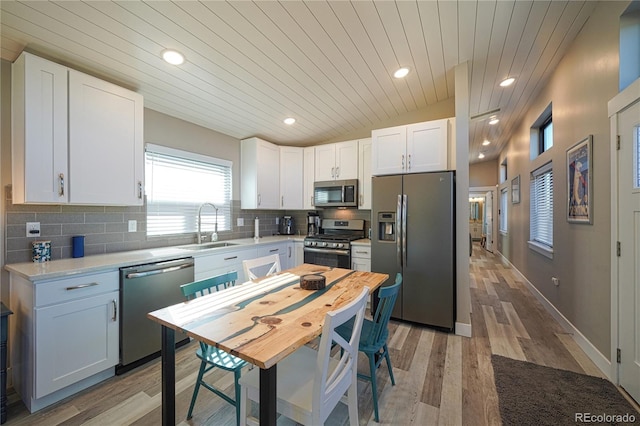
<point>440,378</point>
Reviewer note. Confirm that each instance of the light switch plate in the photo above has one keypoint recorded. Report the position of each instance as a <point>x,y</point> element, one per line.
<point>33,229</point>
<point>241,221</point>
<point>133,225</point>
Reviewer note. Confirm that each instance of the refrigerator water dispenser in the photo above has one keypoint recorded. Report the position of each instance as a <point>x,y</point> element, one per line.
<point>386,226</point>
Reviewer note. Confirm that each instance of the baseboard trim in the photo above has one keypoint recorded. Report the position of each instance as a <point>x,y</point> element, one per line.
<point>603,364</point>
<point>463,329</point>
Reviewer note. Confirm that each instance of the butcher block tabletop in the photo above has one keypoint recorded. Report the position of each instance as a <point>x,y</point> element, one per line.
<point>262,322</point>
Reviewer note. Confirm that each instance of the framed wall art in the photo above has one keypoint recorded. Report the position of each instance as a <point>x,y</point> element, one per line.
<point>579,178</point>
<point>515,190</point>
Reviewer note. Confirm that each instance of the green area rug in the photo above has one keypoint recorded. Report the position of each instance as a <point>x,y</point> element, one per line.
<point>531,394</point>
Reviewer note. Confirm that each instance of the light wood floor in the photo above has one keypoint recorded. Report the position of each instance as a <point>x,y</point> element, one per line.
<point>440,378</point>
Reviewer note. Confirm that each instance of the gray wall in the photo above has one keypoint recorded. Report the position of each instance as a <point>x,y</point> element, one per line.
<point>579,89</point>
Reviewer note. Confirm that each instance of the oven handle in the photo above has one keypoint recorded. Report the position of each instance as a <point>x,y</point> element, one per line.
<point>329,251</point>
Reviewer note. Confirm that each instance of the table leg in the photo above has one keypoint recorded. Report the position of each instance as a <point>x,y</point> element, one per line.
<point>268,397</point>
<point>168,377</point>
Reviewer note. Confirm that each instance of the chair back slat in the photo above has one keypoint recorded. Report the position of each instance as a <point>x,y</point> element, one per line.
<point>209,285</point>
<point>387,296</point>
<point>250,266</point>
<point>330,386</point>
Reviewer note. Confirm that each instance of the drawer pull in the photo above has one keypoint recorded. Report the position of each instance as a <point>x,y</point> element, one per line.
<point>273,250</point>
<point>362,252</point>
<point>77,287</point>
<point>231,258</point>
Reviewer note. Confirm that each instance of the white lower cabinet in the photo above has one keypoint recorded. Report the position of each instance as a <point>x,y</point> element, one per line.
<point>214,264</point>
<point>281,249</point>
<point>66,338</point>
<point>360,257</point>
<point>298,248</point>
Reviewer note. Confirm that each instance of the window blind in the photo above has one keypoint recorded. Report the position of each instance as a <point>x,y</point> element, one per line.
<point>541,217</point>
<point>178,183</point>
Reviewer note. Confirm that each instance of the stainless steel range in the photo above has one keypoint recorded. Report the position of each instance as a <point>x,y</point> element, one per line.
<point>332,247</point>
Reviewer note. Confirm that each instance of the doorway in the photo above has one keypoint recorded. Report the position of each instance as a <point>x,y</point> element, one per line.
<point>482,211</point>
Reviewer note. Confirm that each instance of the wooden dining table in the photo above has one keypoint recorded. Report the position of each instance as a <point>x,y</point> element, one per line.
<point>261,322</point>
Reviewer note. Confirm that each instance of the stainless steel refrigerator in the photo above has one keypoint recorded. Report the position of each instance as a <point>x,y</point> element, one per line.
<point>413,232</point>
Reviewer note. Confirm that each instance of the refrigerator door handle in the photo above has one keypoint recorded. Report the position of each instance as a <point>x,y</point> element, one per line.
<point>397,230</point>
<point>404,230</point>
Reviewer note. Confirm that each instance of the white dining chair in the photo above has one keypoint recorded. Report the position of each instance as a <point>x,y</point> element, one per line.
<point>254,268</point>
<point>310,383</point>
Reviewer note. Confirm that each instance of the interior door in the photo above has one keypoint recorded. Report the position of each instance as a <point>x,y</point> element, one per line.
<point>488,221</point>
<point>629,238</point>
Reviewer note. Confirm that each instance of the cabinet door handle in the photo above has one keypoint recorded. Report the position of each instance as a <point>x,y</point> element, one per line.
<point>312,201</point>
<point>231,258</point>
<point>61,184</point>
<point>77,287</point>
<point>403,161</point>
<point>409,165</point>
<point>259,199</point>
<point>362,252</point>
<point>333,172</point>
<point>282,201</point>
<point>337,172</point>
<point>289,251</point>
<point>361,199</point>
<point>115,310</point>
<point>140,190</point>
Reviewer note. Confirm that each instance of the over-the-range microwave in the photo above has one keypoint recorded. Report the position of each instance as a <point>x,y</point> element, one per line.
<point>336,193</point>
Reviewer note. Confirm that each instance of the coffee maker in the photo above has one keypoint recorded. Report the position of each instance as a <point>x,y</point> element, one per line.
<point>313,224</point>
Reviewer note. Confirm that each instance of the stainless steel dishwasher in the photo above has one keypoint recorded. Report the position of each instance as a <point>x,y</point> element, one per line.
<point>146,288</point>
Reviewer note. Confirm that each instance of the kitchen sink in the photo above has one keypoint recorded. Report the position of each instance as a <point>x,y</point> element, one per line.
<point>205,246</point>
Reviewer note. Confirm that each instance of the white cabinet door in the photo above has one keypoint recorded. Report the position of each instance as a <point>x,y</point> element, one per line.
<point>309,177</point>
<point>291,177</point>
<point>427,146</point>
<point>298,248</point>
<point>75,340</point>
<point>39,131</point>
<point>364,173</point>
<point>280,249</point>
<point>346,160</point>
<point>105,142</point>
<point>325,162</point>
<point>210,265</point>
<point>260,165</point>
<point>358,264</point>
<point>388,150</point>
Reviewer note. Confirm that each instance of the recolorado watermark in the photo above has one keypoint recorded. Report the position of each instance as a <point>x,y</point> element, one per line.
<point>604,418</point>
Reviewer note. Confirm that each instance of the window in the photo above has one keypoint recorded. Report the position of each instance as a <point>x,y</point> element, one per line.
<point>546,135</point>
<point>503,171</point>
<point>177,183</point>
<point>504,202</point>
<point>541,215</point>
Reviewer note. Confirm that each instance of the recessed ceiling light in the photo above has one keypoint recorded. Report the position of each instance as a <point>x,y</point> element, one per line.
<point>289,120</point>
<point>486,142</point>
<point>401,73</point>
<point>173,57</point>
<point>507,82</point>
<point>481,155</point>
<point>494,120</point>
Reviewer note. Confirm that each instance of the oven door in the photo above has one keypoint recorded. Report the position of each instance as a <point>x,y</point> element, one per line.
<point>328,257</point>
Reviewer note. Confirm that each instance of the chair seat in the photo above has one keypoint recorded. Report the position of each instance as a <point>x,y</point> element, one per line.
<point>220,358</point>
<point>345,330</point>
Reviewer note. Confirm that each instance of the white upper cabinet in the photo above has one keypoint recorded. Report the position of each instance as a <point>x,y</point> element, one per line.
<point>364,173</point>
<point>106,147</point>
<point>415,148</point>
<point>39,131</point>
<point>260,180</point>
<point>336,161</point>
<point>291,177</point>
<point>76,139</point>
<point>309,177</point>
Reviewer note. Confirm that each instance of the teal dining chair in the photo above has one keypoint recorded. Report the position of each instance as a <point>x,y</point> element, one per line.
<point>210,356</point>
<point>373,338</point>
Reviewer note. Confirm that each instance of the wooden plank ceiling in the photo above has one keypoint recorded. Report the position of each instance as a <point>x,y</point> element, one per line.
<point>329,64</point>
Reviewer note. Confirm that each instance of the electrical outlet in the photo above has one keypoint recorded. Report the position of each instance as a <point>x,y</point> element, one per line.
<point>241,221</point>
<point>555,281</point>
<point>277,220</point>
<point>33,229</point>
<point>133,225</point>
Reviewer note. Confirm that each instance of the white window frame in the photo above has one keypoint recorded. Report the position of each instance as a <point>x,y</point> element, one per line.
<point>504,203</point>
<point>174,211</point>
<point>541,231</point>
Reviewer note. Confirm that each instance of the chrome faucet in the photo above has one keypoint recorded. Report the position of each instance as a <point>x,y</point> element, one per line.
<point>214,235</point>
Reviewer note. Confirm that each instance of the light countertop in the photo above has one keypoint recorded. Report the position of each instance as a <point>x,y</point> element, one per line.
<point>362,242</point>
<point>113,261</point>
